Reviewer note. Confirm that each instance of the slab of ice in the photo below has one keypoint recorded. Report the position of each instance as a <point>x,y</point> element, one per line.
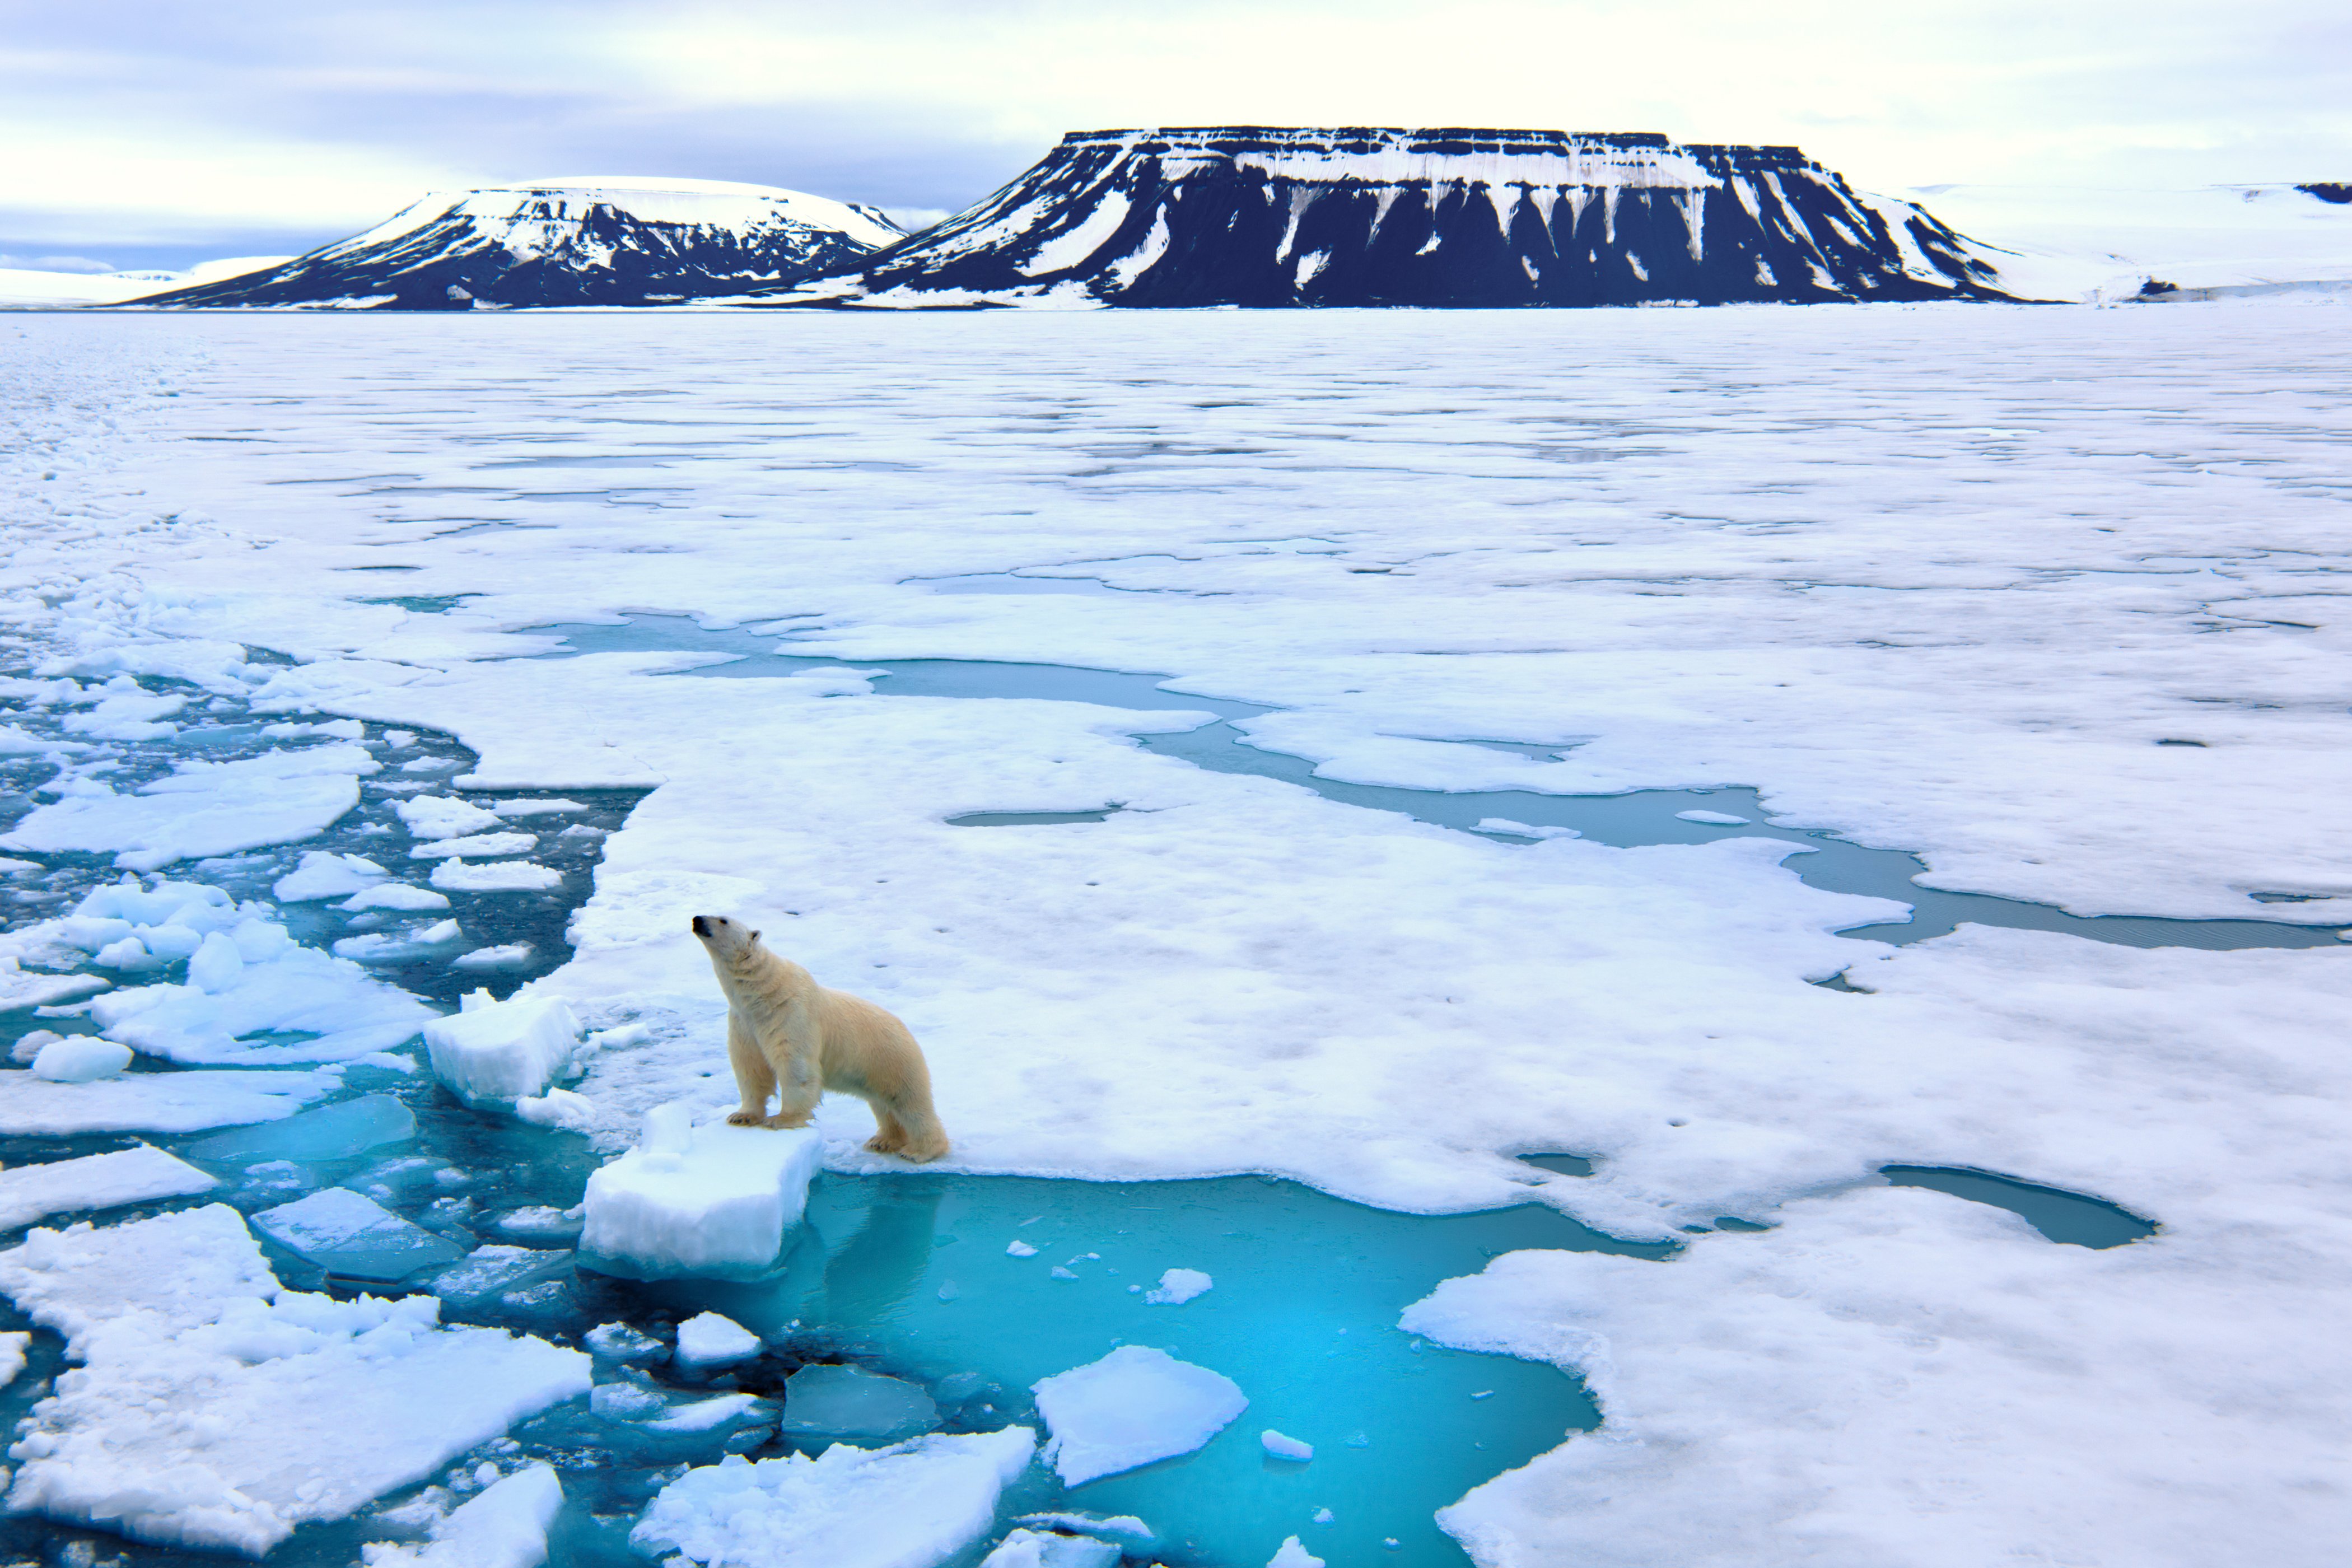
<point>20,988</point>
<point>619,1341</point>
<point>850,1402</point>
<point>558,1108</point>
<point>1177,1286</point>
<point>80,1058</point>
<point>1135,1405</point>
<point>1291,1555</point>
<point>495,877</point>
<point>912,1505</point>
<point>217,1411</point>
<point>1047,1549</point>
<point>155,1101</point>
<point>1018,1248</point>
<point>705,1415</point>
<point>691,1200</point>
<point>478,844</point>
<point>509,957</point>
<point>1283,1447</point>
<point>395,896</point>
<point>708,1340</point>
<point>535,807</point>
<point>324,874</point>
<point>442,817</point>
<point>350,1234</point>
<point>95,1182</point>
<point>203,808</point>
<point>503,1050</point>
<point>1721,818</point>
<point>504,1527</point>
<point>487,1270</point>
<point>330,1132</point>
<point>12,1355</point>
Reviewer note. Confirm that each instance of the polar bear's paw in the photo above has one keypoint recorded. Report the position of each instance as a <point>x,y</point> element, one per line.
<point>745,1119</point>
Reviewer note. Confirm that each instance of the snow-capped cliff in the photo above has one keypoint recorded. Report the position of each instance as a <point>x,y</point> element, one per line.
<point>576,240</point>
<point>1250,216</point>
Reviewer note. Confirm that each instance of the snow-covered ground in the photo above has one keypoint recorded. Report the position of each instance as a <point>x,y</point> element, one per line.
<point>28,286</point>
<point>2049,596</point>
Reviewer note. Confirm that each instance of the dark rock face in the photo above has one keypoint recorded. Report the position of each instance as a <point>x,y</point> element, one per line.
<point>1250,216</point>
<point>2328,191</point>
<point>614,243</point>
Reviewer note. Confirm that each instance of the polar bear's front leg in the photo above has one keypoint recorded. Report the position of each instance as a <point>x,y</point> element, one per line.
<point>794,1055</point>
<point>753,1079</point>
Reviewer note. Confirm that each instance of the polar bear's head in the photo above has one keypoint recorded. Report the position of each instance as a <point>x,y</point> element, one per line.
<point>728,941</point>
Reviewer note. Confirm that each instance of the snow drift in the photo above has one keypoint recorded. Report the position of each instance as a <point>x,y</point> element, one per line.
<point>1250,216</point>
<point>571,241</point>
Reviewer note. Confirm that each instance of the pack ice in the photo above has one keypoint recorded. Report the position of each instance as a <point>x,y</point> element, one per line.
<point>245,976</point>
<point>217,1410</point>
<point>695,1200</point>
<point>201,808</point>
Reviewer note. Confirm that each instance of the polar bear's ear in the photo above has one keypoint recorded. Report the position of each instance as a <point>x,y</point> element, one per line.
<point>755,936</point>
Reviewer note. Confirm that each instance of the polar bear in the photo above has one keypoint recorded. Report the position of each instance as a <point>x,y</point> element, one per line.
<point>789,1036</point>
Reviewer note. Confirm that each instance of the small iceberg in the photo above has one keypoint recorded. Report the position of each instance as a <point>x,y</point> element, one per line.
<point>511,1050</point>
<point>850,1402</point>
<point>350,1234</point>
<point>699,1200</point>
<point>1132,1408</point>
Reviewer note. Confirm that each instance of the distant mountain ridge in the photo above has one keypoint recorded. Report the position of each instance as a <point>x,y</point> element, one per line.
<point>1258,215</point>
<point>574,240</point>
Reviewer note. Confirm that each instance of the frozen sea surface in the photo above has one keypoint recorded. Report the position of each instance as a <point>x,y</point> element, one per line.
<point>2049,599</point>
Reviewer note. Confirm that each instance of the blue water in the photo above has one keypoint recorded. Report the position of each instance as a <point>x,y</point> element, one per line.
<point>2061,1215</point>
<point>1636,817</point>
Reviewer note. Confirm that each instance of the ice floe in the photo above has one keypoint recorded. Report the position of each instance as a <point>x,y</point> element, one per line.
<point>850,1402</point>
<point>217,1411</point>
<point>503,1526</point>
<point>1025,1548</point>
<point>692,1199</point>
<point>912,1505</point>
<point>508,1050</point>
<point>202,808</point>
<point>1135,1405</point>
<point>80,1058</point>
<point>134,1175</point>
<point>350,1234</point>
<point>156,1102</point>
<point>1177,1286</point>
<point>708,1340</point>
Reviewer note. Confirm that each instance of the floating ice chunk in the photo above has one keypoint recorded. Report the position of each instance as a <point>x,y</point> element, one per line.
<point>384,947</point>
<point>625,1402</point>
<point>326,875</point>
<point>1099,1524</point>
<point>129,954</point>
<point>29,1046</point>
<point>708,1340</point>
<point>1525,829</point>
<point>1060,1272</point>
<point>511,956</point>
<point>487,1270</point>
<point>442,817</point>
<point>330,1132</point>
<point>127,712</point>
<point>1283,1447</point>
<point>80,1058</point>
<point>396,896</point>
<point>478,844</point>
<point>495,877</point>
<point>690,1200</point>
<point>912,1505</point>
<point>341,729</point>
<point>278,987</point>
<point>535,808</point>
<point>504,1527</point>
<point>1177,1286</point>
<point>155,1103</point>
<point>1721,818</point>
<point>1133,1406</point>
<point>619,1341</point>
<point>560,1108</point>
<point>95,1182</point>
<point>704,1414</point>
<point>1290,1554</point>
<point>19,989</point>
<point>850,1402</point>
<point>1033,1549</point>
<point>350,1234</point>
<point>541,1220</point>
<point>12,1355</point>
<point>1020,1250</point>
<point>215,1410</point>
<point>505,1050</point>
<point>1322,1516</point>
<point>203,808</point>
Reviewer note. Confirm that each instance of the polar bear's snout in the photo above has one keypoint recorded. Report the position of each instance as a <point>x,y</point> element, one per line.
<point>725,938</point>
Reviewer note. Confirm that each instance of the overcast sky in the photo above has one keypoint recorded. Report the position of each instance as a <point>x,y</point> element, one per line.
<point>147,133</point>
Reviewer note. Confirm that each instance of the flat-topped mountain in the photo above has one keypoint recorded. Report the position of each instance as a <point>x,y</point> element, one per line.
<point>1253,215</point>
<point>577,240</point>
